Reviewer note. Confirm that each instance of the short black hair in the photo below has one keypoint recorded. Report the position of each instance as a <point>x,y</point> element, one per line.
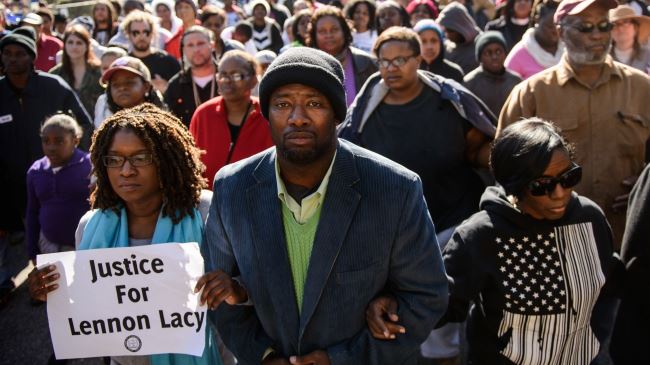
<point>523,150</point>
<point>245,28</point>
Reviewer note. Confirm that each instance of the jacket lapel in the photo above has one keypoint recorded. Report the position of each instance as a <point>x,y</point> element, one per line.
<point>339,207</point>
<point>270,244</point>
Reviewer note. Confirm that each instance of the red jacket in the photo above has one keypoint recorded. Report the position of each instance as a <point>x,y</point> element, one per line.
<point>47,47</point>
<point>211,133</point>
<point>173,45</point>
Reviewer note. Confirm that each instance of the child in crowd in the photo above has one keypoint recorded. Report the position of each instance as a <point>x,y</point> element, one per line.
<point>264,59</point>
<point>110,55</point>
<point>57,188</point>
<point>101,106</point>
<point>491,81</point>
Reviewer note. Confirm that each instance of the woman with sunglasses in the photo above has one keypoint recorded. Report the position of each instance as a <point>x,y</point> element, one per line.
<point>531,266</point>
<point>148,175</point>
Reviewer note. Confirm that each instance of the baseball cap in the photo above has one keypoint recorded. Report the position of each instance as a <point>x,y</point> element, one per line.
<point>32,18</point>
<point>573,7</point>
<point>126,63</point>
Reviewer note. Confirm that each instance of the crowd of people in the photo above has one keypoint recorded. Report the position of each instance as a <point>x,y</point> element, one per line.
<point>401,181</point>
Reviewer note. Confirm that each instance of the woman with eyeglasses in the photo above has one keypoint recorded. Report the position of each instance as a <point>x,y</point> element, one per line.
<point>230,127</point>
<point>532,265</point>
<point>432,126</point>
<point>149,190</point>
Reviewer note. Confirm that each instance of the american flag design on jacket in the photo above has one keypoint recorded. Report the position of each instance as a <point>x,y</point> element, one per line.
<point>551,281</point>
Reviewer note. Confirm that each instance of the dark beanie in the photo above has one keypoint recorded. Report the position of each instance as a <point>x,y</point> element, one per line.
<point>22,36</point>
<point>485,38</point>
<point>310,67</point>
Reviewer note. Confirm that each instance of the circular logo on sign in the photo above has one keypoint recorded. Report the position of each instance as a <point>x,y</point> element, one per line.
<point>133,343</point>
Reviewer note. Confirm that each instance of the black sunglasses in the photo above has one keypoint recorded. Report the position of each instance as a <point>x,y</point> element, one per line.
<point>603,27</point>
<point>546,185</point>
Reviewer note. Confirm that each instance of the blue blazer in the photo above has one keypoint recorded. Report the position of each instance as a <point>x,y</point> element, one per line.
<point>374,236</point>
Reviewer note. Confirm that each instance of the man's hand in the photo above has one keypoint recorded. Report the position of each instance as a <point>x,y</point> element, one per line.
<point>40,282</point>
<point>382,318</point>
<point>218,287</point>
<point>318,357</point>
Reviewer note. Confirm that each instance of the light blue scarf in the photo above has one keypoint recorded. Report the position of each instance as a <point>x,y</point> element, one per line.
<point>105,229</point>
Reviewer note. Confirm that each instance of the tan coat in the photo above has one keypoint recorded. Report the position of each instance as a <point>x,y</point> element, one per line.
<point>608,123</point>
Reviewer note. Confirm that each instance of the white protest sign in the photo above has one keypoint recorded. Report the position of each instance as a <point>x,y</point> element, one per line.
<point>127,301</point>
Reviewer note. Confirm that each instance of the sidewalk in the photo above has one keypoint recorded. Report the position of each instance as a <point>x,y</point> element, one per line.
<point>24,332</point>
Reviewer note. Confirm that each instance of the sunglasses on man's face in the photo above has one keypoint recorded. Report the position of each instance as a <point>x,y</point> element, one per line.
<point>546,185</point>
<point>603,27</point>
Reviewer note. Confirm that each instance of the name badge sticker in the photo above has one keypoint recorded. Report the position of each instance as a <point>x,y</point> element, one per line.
<point>6,119</point>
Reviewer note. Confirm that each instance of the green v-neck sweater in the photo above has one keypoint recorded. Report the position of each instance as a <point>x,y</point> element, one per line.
<point>300,241</point>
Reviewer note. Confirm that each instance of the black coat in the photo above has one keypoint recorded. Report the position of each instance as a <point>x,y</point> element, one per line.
<point>21,117</point>
<point>631,336</point>
<point>364,65</point>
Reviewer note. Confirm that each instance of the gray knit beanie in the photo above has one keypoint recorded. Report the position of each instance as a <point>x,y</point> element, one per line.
<point>310,67</point>
<point>23,36</point>
<point>486,38</point>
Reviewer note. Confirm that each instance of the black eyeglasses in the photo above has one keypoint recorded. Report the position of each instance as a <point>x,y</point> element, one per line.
<point>136,33</point>
<point>603,27</point>
<point>397,62</point>
<point>139,160</point>
<point>546,185</point>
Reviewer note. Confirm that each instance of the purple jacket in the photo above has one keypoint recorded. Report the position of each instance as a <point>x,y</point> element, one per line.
<point>56,202</point>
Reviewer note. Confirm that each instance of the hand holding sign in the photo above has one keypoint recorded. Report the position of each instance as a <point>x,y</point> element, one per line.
<point>123,301</point>
<point>219,286</point>
<point>42,281</point>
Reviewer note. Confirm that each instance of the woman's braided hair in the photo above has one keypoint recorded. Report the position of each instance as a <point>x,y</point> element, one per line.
<point>174,153</point>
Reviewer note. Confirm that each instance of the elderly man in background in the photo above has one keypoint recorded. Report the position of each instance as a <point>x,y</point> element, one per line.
<point>600,105</point>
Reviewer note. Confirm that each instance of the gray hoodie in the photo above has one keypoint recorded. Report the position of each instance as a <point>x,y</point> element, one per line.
<point>455,17</point>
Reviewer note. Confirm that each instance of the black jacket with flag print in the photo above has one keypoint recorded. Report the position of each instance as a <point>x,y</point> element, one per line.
<point>533,285</point>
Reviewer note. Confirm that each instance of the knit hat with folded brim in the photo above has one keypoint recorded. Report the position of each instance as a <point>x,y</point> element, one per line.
<point>310,67</point>
<point>486,38</point>
<point>22,36</point>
